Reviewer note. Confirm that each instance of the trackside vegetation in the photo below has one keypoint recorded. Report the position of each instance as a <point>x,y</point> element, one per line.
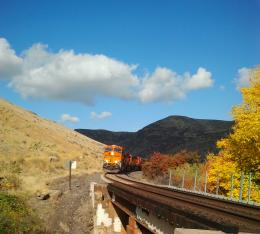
<point>15,216</point>
<point>239,154</point>
<point>234,171</point>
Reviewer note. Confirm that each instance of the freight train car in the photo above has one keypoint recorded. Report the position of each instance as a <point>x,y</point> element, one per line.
<point>115,159</point>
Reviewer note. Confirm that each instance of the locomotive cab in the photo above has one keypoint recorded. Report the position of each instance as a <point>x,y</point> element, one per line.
<point>112,158</point>
<point>116,159</point>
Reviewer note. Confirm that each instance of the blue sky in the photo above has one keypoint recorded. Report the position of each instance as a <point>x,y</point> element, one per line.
<point>133,62</point>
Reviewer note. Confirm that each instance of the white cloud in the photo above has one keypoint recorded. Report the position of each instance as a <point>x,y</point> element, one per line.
<point>66,75</point>
<point>243,78</point>
<point>10,64</point>
<point>202,79</point>
<point>166,85</point>
<point>70,76</point>
<point>69,118</point>
<point>102,115</point>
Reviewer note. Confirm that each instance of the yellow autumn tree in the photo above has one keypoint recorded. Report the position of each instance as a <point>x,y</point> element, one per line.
<point>240,151</point>
<point>243,145</point>
<point>221,168</point>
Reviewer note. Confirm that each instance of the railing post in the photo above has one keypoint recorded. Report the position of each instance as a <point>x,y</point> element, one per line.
<point>217,188</point>
<point>206,181</point>
<point>195,181</point>
<point>182,183</point>
<point>170,178</point>
<point>241,186</point>
<point>249,187</point>
<point>232,186</point>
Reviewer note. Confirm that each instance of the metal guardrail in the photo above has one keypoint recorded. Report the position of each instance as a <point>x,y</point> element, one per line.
<point>217,195</point>
<point>214,211</point>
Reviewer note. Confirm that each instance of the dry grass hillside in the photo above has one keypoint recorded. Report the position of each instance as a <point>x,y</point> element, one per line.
<point>36,148</point>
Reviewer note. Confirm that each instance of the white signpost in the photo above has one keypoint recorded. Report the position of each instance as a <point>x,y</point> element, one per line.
<point>73,164</point>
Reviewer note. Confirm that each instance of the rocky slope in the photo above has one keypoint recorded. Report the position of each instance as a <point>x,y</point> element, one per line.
<point>168,135</point>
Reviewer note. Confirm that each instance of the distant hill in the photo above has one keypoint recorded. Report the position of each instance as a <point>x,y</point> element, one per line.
<point>41,146</point>
<point>168,135</point>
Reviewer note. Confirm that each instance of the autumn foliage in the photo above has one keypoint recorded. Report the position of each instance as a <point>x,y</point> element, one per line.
<point>239,154</point>
<point>235,168</point>
<point>221,168</point>
<point>243,145</point>
<point>158,164</point>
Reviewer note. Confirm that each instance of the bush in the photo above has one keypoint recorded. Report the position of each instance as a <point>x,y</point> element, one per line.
<point>188,171</point>
<point>16,217</point>
<point>158,165</point>
<point>9,174</point>
<point>9,181</point>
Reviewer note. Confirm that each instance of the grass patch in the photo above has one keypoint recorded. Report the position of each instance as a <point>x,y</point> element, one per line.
<point>16,217</point>
<point>9,174</point>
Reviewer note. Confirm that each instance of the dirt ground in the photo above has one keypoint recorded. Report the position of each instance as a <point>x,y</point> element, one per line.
<point>138,175</point>
<point>68,211</point>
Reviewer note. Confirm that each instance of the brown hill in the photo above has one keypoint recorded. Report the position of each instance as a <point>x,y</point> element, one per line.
<point>40,147</point>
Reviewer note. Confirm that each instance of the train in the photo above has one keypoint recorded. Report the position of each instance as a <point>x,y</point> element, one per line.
<point>116,159</point>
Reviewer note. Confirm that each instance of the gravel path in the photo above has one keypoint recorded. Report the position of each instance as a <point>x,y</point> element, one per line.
<point>72,211</point>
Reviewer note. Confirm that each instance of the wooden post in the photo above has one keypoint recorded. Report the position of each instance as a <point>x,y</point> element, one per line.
<point>70,162</point>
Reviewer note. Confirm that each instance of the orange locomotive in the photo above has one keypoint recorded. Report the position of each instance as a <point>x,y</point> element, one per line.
<point>115,159</point>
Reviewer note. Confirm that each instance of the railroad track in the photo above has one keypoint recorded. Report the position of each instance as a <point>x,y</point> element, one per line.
<point>204,211</point>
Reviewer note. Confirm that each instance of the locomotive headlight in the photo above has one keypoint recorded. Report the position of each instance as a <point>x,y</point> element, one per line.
<point>116,161</point>
<point>106,161</point>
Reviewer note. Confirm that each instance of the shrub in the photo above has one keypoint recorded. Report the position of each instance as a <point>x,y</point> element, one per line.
<point>16,217</point>
<point>9,174</point>
<point>158,164</point>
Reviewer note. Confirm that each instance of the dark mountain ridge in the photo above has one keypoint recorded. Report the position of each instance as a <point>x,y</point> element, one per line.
<point>169,135</point>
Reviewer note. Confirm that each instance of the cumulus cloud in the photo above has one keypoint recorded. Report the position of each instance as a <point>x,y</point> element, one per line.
<point>166,85</point>
<point>243,78</point>
<point>10,64</point>
<point>69,118</point>
<point>70,76</point>
<point>102,115</point>
<point>201,79</point>
<point>65,75</point>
